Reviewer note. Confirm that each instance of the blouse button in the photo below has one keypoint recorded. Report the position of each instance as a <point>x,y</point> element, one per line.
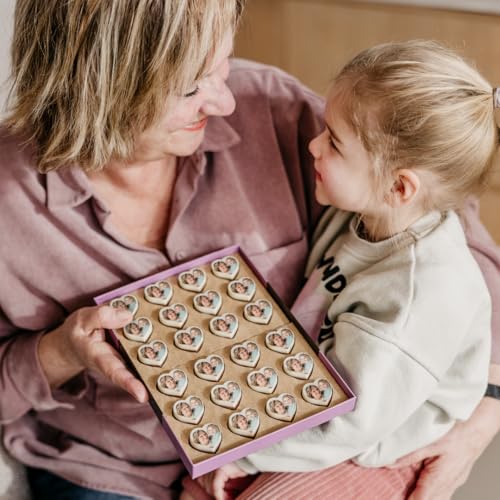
<point>180,255</point>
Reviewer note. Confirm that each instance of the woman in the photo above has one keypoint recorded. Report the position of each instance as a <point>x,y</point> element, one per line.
<point>121,133</point>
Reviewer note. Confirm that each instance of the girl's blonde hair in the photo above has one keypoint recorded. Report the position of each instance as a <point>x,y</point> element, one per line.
<point>89,75</point>
<point>419,105</point>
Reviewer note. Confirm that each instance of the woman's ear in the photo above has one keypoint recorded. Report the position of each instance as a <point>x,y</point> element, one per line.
<point>405,188</point>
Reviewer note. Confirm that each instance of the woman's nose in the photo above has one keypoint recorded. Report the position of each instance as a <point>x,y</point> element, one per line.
<point>220,100</point>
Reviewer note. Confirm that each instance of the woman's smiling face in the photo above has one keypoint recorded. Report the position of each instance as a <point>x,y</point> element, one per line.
<point>181,129</point>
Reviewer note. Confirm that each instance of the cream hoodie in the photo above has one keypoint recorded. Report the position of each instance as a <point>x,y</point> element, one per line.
<point>407,324</point>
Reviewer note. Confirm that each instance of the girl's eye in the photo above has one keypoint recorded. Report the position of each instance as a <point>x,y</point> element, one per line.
<point>193,92</point>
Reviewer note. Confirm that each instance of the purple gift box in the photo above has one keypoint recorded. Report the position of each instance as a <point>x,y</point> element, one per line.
<point>213,461</point>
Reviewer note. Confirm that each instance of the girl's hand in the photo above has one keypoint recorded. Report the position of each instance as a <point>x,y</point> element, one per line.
<point>79,344</point>
<point>214,482</point>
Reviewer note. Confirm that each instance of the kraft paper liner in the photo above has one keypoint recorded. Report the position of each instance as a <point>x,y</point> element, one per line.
<point>250,398</point>
<point>271,430</point>
<point>211,343</point>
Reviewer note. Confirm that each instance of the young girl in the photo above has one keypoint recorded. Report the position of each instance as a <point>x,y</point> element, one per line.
<point>394,297</point>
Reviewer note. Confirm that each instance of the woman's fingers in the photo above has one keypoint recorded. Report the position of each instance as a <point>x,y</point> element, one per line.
<point>99,317</point>
<point>112,367</point>
<point>87,329</point>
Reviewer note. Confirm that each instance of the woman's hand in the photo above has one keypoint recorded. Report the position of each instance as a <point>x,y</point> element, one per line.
<point>448,461</point>
<point>79,344</point>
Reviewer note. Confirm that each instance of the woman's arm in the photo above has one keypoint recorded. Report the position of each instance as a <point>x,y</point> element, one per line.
<point>449,460</point>
<point>33,364</point>
<point>80,343</point>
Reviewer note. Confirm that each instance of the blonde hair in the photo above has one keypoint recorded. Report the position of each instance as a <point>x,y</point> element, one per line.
<point>89,75</point>
<point>419,105</point>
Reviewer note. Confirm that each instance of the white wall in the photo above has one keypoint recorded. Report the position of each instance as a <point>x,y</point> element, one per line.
<point>6,16</point>
<point>486,6</point>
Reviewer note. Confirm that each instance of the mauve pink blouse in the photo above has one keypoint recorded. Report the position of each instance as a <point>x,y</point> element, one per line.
<point>251,183</point>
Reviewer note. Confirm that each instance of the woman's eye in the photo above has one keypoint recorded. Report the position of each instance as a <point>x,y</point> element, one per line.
<point>332,144</point>
<point>193,92</point>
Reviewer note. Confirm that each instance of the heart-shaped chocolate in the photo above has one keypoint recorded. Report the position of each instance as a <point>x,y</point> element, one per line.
<point>189,410</point>
<point>158,293</point>
<point>242,289</point>
<point>175,315</point>
<point>227,395</point>
<point>208,302</point>
<point>258,312</point>
<point>139,330</point>
<point>264,380</point>
<point>209,368</point>
<point>282,407</point>
<point>246,354</point>
<point>207,438</point>
<point>318,393</point>
<point>245,422</point>
<point>190,339</point>
<point>193,280</point>
<point>224,326</point>
<point>299,366</point>
<point>172,383</point>
<point>128,302</point>
<point>153,354</point>
<point>281,340</point>
<point>226,268</point>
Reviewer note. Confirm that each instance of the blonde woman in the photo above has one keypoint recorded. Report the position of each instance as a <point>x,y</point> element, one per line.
<point>394,297</point>
<point>121,152</point>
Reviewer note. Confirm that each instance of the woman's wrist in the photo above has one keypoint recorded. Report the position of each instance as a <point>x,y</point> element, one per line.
<point>494,374</point>
<point>56,358</point>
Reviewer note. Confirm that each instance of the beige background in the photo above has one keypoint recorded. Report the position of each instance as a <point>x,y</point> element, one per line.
<point>312,39</point>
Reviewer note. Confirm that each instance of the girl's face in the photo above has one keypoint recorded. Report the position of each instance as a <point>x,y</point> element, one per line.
<point>315,392</point>
<point>222,325</point>
<point>204,301</point>
<point>278,340</point>
<point>189,279</point>
<point>180,130</point>
<point>344,168</point>
<point>134,329</point>
<point>171,314</point>
<point>242,422</point>
<point>224,394</point>
<point>207,368</point>
<point>279,407</point>
<point>203,438</point>
<point>170,382</point>
<point>256,311</point>
<point>243,354</point>
<point>150,353</point>
<point>186,410</point>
